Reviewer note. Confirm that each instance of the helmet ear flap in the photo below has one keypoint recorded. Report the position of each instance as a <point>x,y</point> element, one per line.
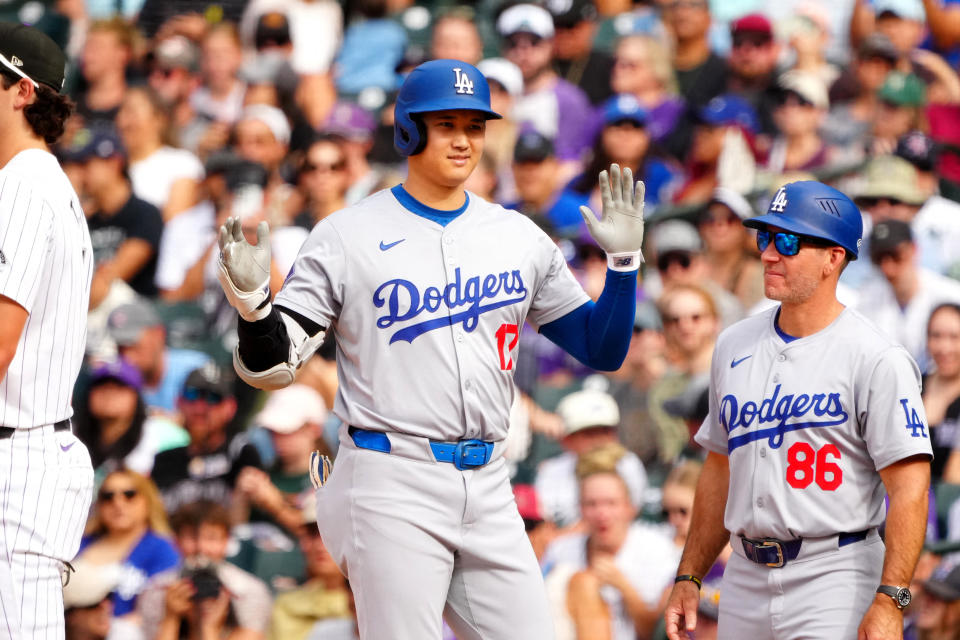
<point>421,133</point>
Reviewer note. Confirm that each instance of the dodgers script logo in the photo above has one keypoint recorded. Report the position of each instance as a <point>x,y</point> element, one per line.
<point>404,301</point>
<point>827,411</point>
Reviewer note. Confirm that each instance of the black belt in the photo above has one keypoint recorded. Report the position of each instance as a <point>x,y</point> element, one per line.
<point>7,432</point>
<point>776,553</point>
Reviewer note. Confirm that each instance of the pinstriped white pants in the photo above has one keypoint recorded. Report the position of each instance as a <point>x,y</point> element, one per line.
<point>46,486</point>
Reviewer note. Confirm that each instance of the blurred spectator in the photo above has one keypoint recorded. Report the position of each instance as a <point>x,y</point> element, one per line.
<point>535,172</point>
<point>730,263</point>
<point>208,467</point>
<point>324,179</point>
<point>114,425</point>
<point>219,98</point>
<point>630,386</point>
<point>173,74</point>
<point>127,535</point>
<point>124,230</point>
<point>680,260</point>
<point>484,180</point>
<point>752,65</point>
<point>294,417</point>
<point>372,50</point>
<point>166,177</point>
<point>642,68</point>
<point>574,56</point>
<point>540,531</point>
<point>590,420</point>
<point>107,51</point>
<point>941,389</point>
<point>902,97</point>
<point>88,603</point>
<point>262,135</point>
<point>355,126</point>
<point>678,492</point>
<point>506,85</point>
<point>808,34</point>
<point>455,37</point>
<point>630,565</point>
<point>900,303</point>
<point>701,74</point>
<point>903,21</point>
<point>556,108</point>
<point>854,95</point>
<point>324,596</point>
<point>140,336</point>
<point>938,617</point>
<point>207,597</point>
<point>801,106</point>
<point>691,405</point>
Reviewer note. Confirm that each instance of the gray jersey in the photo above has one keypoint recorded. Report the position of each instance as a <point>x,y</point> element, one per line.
<point>807,423</point>
<point>427,317</point>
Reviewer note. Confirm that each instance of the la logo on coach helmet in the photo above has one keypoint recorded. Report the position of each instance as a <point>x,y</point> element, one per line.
<point>463,85</point>
<point>780,201</point>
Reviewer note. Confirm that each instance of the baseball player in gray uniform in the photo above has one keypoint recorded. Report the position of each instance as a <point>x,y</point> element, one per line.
<point>46,264</point>
<point>426,288</point>
<point>814,415</point>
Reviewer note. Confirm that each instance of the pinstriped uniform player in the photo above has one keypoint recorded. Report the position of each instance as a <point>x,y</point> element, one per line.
<point>46,264</point>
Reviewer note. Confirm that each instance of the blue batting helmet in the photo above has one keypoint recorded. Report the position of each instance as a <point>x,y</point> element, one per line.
<point>813,209</point>
<point>438,85</point>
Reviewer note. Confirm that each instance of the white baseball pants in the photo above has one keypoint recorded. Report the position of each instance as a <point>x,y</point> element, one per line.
<point>420,540</point>
<point>46,485</point>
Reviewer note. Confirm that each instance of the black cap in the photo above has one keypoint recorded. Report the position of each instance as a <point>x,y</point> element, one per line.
<point>244,173</point>
<point>29,53</point>
<point>887,235</point>
<point>532,146</point>
<point>96,142</point>
<point>570,13</point>
<point>918,149</point>
<point>273,29</point>
<point>209,377</point>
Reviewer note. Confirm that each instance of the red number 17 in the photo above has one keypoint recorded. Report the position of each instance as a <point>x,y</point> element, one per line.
<point>504,333</point>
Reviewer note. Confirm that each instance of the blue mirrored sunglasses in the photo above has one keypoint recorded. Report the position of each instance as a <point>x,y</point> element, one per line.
<point>788,244</point>
<point>191,394</point>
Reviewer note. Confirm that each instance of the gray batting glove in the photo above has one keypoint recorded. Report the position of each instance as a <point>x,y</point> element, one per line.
<point>244,269</point>
<point>620,232</point>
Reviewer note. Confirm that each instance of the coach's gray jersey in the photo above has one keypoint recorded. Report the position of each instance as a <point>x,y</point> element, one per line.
<point>427,317</point>
<point>46,265</point>
<point>808,423</point>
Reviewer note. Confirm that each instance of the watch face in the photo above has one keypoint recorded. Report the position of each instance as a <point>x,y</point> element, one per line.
<point>904,597</point>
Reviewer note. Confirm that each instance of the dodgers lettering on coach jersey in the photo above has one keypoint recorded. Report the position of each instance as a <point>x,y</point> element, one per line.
<point>445,305</point>
<point>807,424</point>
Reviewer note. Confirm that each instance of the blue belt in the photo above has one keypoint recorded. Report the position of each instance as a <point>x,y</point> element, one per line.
<point>465,454</point>
<point>776,553</point>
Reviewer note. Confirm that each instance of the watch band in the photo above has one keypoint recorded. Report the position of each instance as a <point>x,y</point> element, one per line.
<point>685,577</point>
<point>901,595</point>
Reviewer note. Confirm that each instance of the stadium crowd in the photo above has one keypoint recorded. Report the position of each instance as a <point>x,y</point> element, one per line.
<point>190,111</point>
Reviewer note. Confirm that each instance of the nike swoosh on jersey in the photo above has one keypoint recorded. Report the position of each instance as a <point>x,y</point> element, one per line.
<point>735,362</point>
<point>67,448</point>
<point>384,247</point>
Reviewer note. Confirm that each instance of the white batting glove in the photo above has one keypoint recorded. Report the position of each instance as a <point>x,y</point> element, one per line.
<point>244,269</point>
<point>620,232</point>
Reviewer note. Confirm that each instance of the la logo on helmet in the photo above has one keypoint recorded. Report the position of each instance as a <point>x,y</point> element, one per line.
<point>463,83</point>
<point>780,201</point>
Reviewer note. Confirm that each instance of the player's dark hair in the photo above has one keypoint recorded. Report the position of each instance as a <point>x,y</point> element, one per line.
<point>48,114</point>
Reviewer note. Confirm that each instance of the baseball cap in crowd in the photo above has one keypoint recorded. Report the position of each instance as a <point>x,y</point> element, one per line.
<point>351,121</point>
<point>118,370</point>
<point>944,582</point>
<point>753,27</point>
<point>528,505</point>
<point>588,408</point>
<point>177,52</point>
<point>288,409</point>
<point>271,116</point>
<point>98,142</point>
<point>887,235</point>
<point>918,149</point>
<point>273,30</point>
<point>729,109</point>
<point>893,178</point>
<point>676,235</point>
<point>907,9</point>
<point>647,318</point>
<point>733,201</point>
<point>89,584</point>
<point>503,72</point>
<point>903,89</point>
<point>207,379</point>
<point>569,13</point>
<point>878,45</point>
<point>532,146</point>
<point>809,87</point>
<point>624,108</point>
<point>526,18</point>
<point>126,323</point>
<point>29,53</point>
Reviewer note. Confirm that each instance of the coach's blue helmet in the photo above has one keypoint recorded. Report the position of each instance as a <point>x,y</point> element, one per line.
<point>438,85</point>
<point>813,209</point>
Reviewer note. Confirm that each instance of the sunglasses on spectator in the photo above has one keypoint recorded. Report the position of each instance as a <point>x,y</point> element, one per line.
<point>517,39</point>
<point>869,203</point>
<point>788,244</point>
<point>108,496</point>
<point>211,397</point>
<point>326,167</point>
<point>670,321</point>
<point>683,258</point>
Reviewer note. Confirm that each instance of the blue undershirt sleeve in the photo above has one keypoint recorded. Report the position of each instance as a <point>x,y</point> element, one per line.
<point>598,333</point>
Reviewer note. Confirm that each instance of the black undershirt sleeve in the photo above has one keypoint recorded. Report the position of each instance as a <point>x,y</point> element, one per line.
<point>264,344</point>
